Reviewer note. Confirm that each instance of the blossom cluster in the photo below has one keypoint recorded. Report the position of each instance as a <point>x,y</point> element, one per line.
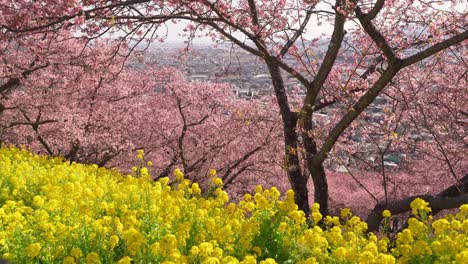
<point>54,211</point>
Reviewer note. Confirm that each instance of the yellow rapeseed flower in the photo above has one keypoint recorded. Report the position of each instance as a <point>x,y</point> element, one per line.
<point>317,217</point>
<point>340,253</point>
<point>464,208</point>
<point>168,244</point>
<point>288,204</point>
<point>258,189</point>
<point>385,259</point>
<point>421,248</point>
<point>282,227</point>
<point>249,259</point>
<point>68,260</point>
<point>211,260</point>
<point>33,250</point>
<point>261,201</point>
<point>386,213</point>
<point>462,257</point>
<point>419,206</point>
<point>93,258</point>
<point>257,250</point>
<point>76,252</point>
<point>144,172</point>
<point>345,213</point>
<point>196,188</point>
<point>113,241</point>
<point>217,181</point>
<point>212,173</point>
<point>38,201</point>
<point>274,193</point>
<point>164,180</point>
<point>405,237</point>
<point>125,260</point>
<point>299,216</point>
<point>441,226</point>
<point>178,174</point>
<point>134,240</point>
<point>417,227</point>
<point>140,154</point>
<point>316,207</point>
<point>206,249</point>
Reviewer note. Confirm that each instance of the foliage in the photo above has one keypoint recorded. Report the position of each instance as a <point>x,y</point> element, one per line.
<point>54,211</point>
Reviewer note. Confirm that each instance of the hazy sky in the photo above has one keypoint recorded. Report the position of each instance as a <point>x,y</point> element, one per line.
<point>175,30</point>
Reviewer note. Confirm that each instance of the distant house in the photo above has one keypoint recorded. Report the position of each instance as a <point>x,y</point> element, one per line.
<point>246,93</point>
<point>262,76</point>
<point>199,77</point>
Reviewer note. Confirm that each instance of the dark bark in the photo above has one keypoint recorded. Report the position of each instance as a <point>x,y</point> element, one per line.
<point>9,85</point>
<point>320,187</point>
<point>292,165</point>
<point>376,9</point>
<point>107,157</point>
<point>236,174</point>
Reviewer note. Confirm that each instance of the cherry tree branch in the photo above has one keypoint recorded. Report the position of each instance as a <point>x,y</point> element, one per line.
<point>375,35</point>
<point>355,111</point>
<point>298,33</point>
<point>33,124</point>
<point>235,175</point>
<point>180,141</point>
<point>246,156</point>
<point>329,59</point>
<point>253,12</point>
<point>35,127</point>
<point>108,157</point>
<point>435,49</point>
<point>376,9</point>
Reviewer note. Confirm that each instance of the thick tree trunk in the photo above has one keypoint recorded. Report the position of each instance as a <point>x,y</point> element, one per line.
<point>292,165</point>
<point>315,166</point>
<point>452,197</point>
<point>316,170</point>
<point>320,187</point>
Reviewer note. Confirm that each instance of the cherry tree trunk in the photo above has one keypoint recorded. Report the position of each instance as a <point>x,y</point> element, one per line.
<point>319,179</point>
<point>292,165</point>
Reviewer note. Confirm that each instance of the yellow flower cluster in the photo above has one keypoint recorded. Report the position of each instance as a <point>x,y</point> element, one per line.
<point>442,241</point>
<point>52,211</point>
<point>420,209</point>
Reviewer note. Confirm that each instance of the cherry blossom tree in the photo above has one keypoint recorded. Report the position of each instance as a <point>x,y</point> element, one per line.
<point>376,48</point>
<point>92,114</point>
